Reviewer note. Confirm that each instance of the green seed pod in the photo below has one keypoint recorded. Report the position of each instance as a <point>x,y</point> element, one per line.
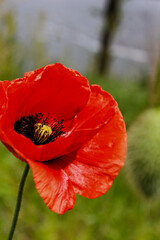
<point>143,161</point>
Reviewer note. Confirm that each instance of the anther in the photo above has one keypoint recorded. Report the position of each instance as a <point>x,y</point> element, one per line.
<point>41,133</point>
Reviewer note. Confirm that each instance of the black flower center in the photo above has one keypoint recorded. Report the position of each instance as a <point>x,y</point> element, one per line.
<point>39,129</point>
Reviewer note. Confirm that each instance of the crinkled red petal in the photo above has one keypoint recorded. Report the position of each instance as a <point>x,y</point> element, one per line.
<point>52,89</point>
<point>93,167</point>
<point>3,100</point>
<point>3,105</point>
<point>99,111</point>
<point>53,185</point>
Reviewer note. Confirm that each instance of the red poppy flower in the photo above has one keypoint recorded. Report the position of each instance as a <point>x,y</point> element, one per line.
<point>71,134</point>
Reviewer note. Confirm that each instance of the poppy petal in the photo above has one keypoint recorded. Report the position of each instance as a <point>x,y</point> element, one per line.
<point>3,86</point>
<point>98,112</point>
<point>3,103</point>
<point>53,185</point>
<point>93,168</point>
<point>53,89</point>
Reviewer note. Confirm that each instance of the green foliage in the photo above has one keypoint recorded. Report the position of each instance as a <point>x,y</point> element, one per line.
<point>118,215</point>
<point>10,57</point>
<point>143,163</point>
<point>16,58</point>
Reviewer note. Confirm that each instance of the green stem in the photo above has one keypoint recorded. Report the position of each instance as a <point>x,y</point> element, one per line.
<point>18,204</point>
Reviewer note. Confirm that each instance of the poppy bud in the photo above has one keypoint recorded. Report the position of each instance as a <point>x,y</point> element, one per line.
<point>143,163</point>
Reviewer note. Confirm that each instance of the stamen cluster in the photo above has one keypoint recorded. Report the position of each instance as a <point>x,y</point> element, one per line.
<point>39,129</point>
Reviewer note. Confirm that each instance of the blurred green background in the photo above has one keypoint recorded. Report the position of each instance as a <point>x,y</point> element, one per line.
<point>121,214</point>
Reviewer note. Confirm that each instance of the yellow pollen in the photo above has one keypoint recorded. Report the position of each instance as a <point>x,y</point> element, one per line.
<point>41,132</point>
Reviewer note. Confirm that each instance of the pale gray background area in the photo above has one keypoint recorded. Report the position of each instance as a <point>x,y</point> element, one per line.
<point>71,31</point>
